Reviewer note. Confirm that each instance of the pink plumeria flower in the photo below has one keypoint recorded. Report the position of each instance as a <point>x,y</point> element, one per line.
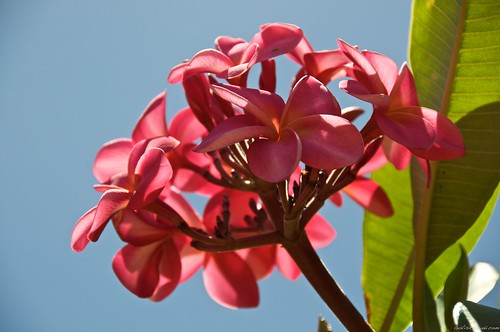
<point>308,128</point>
<point>157,256</point>
<point>149,171</point>
<point>325,66</point>
<point>233,57</point>
<point>397,114</point>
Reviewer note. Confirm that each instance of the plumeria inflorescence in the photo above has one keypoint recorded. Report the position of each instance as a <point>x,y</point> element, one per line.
<point>266,165</point>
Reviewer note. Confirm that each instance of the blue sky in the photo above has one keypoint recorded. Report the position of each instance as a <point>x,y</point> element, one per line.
<point>75,74</point>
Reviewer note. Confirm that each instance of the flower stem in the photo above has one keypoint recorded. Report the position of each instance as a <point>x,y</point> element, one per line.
<point>322,281</point>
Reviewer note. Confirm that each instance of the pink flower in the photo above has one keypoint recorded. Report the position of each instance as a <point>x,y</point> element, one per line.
<point>325,66</point>
<point>397,114</point>
<point>307,128</point>
<point>233,57</point>
<point>157,256</point>
<point>149,171</point>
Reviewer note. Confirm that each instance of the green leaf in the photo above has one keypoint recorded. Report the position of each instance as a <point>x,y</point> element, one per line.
<point>455,288</point>
<point>475,317</point>
<point>323,325</point>
<point>453,52</point>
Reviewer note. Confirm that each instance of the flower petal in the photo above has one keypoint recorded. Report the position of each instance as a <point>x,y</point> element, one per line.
<point>154,171</point>
<point>112,159</point>
<point>229,281</point>
<point>396,153</point>
<point>276,39</point>
<point>176,73</point>
<point>260,259</point>
<point>328,141</point>
<point>405,91</point>
<point>231,131</point>
<point>111,202</point>
<point>264,105</point>
<point>309,97</point>
<point>152,122</point>
<point>169,270</point>
<point>137,230</point>
<point>137,268</point>
<point>286,265</point>
<point>327,66</point>
<point>185,126</point>
<point>191,260</point>
<point>274,161</point>
<point>370,196</point>
<point>320,232</point>
<point>449,143</point>
<point>386,68</point>
<point>358,90</point>
<point>407,126</point>
<point>79,236</point>
<point>208,61</point>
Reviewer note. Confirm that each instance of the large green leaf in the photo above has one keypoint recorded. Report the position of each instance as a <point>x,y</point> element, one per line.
<point>453,54</point>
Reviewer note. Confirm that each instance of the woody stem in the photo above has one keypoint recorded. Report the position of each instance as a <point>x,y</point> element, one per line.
<point>322,281</point>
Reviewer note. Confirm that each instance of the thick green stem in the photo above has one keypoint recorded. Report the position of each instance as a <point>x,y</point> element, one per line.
<point>322,281</point>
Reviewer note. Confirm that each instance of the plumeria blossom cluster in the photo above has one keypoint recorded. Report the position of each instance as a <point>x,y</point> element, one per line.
<point>266,164</point>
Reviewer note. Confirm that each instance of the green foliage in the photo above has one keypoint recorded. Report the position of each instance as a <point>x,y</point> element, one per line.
<point>454,56</point>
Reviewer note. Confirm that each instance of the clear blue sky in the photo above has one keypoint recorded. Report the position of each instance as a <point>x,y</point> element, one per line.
<point>75,74</point>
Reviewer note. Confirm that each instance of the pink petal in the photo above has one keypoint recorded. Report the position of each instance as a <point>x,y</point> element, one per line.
<point>191,260</point>
<point>155,171</point>
<point>327,66</point>
<point>176,74</point>
<point>264,105</point>
<point>232,47</point>
<point>185,127</point>
<point>404,92</point>
<point>208,61</point>
<point>137,268</point>
<point>170,269</point>
<point>370,196</point>
<point>286,265</point>
<point>177,202</point>
<point>276,39</point>
<point>336,199</point>
<point>111,202</point>
<point>239,207</point>
<point>368,73</point>
<point>385,67</point>
<point>112,159</point>
<point>358,90</point>
<point>449,143</point>
<point>79,236</point>
<point>152,122</point>
<point>229,281</point>
<point>328,141</point>
<point>396,153</point>
<point>298,53</point>
<point>267,78</point>
<point>309,97</point>
<point>274,161</point>
<point>407,126</point>
<point>135,229</point>
<point>233,130</point>
<point>320,232</point>
<point>261,260</point>
<point>378,160</point>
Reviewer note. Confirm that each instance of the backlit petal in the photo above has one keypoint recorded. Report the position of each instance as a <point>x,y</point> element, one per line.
<point>152,122</point>
<point>79,236</point>
<point>137,268</point>
<point>319,231</point>
<point>274,161</point>
<point>169,268</point>
<point>208,61</point>
<point>155,171</point>
<point>328,141</point>
<point>229,281</point>
<point>286,265</point>
<point>111,202</point>
<point>407,126</point>
<point>370,196</point>
<point>276,39</point>
<point>309,97</point>
<point>112,159</point>
<point>233,130</point>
